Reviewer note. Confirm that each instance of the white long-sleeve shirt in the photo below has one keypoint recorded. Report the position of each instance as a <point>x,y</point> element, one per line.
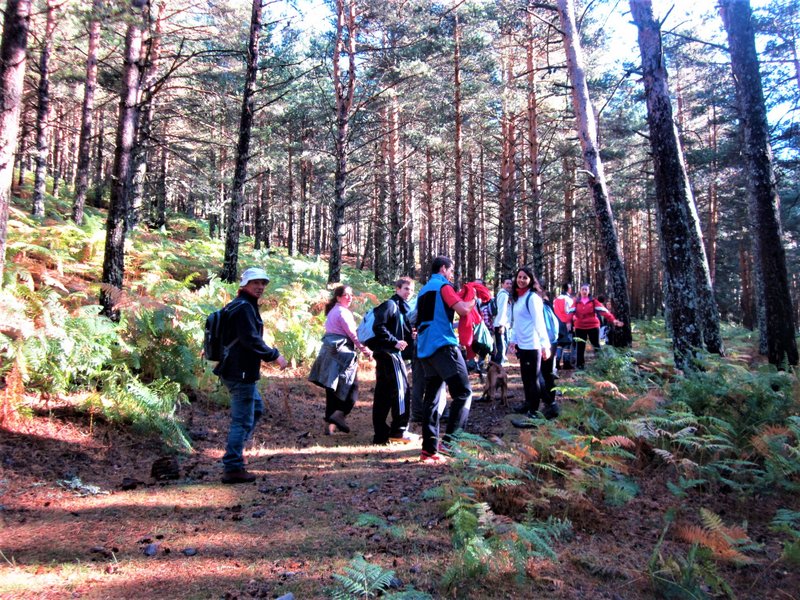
<point>503,316</point>
<point>528,330</point>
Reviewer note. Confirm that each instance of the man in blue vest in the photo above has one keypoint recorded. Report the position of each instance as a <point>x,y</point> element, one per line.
<point>442,361</point>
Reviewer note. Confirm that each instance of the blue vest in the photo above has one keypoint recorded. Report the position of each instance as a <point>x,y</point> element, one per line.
<point>434,319</point>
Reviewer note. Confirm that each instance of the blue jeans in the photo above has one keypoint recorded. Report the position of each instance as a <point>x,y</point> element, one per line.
<point>500,345</point>
<point>246,410</point>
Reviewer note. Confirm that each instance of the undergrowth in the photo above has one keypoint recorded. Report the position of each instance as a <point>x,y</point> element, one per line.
<point>139,371</point>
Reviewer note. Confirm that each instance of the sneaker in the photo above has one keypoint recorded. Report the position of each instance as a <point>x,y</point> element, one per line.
<point>520,409</point>
<point>238,476</point>
<point>432,459</point>
<point>404,438</point>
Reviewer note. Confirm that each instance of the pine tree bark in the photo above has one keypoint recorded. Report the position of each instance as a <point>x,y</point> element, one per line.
<point>143,150</point>
<point>87,116</point>
<point>43,114</point>
<point>16,24</point>
<point>344,89</point>
<point>685,265</point>
<point>458,150</point>
<point>568,236</point>
<point>779,331</point>
<point>534,179</point>
<point>230,267</point>
<point>119,204</point>
<point>508,170</point>
<point>587,132</point>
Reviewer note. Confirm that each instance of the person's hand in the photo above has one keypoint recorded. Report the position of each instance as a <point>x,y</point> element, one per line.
<point>512,348</point>
<point>618,323</point>
<point>414,333</point>
<point>401,345</point>
<point>501,329</point>
<point>569,326</point>
<point>546,353</point>
<point>282,362</point>
<point>367,352</point>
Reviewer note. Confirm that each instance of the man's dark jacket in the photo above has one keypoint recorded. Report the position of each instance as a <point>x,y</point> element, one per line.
<point>243,323</point>
<point>391,325</point>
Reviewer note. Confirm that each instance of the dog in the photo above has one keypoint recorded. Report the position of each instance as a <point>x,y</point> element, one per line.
<point>496,388</point>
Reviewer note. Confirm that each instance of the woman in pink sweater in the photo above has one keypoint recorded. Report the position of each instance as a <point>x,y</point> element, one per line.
<point>585,323</point>
<point>340,323</point>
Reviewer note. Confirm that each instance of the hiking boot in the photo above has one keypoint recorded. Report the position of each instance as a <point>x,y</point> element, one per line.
<point>238,476</point>
<point>520,409</point>
<point>526,423</point>
<point>551,411</point>
<point>337,418</point>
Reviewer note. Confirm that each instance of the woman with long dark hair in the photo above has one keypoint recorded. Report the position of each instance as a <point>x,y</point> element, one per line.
<point>529,338</point>
<point>337,362</point>
<point>585,321</point>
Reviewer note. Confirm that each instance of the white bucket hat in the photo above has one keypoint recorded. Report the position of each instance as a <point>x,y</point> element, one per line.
<point>252,274</point>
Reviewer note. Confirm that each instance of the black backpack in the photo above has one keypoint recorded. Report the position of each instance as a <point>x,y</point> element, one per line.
<point>213,348</point>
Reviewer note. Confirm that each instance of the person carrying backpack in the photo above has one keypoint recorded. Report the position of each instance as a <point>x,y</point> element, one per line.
<point>240,369</point>
<point>392,336</point>
<point>502,319</point>
<point>529,338</point>
<point>561,306</point>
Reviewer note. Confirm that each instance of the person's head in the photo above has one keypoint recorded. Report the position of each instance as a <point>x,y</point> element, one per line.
<point>586,291</point>
<point>566,288</point>
<point>524,280</point>
<point>508,284</point>
<point>442,265</point>
<point>404,287</point>
<point>601,299</point>
<point>542,291</point>
<point>254,281</point>
<point>342,295</point>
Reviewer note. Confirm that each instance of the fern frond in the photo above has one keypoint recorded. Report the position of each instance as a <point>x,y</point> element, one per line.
<point>618,441</point>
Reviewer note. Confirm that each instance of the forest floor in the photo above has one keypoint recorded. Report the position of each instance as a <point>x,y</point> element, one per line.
<point>299,522</point>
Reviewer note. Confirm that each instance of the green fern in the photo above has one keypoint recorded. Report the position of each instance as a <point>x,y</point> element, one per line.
<point>361,580</point>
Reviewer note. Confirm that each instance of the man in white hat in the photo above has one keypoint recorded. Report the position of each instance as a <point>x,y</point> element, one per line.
<point>240,369</point>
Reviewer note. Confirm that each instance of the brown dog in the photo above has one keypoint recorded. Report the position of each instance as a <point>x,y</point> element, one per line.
<point>496,387</point>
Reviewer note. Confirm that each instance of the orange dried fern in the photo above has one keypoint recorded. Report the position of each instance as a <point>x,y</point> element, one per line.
<point>725,542</point>
<point>11,396</point>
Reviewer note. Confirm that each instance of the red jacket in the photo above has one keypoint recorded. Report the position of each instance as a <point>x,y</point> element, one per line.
<point>584,314</point>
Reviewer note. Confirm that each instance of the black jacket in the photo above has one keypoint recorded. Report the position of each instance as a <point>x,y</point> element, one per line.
<point>391,325</point>
<point>243,323</point>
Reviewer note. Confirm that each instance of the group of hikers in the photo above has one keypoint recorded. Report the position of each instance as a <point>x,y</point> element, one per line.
<point>523,321</point>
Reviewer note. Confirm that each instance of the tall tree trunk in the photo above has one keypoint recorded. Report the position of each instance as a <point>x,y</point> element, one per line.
<point>87,116</point>
<point>761,186</point>
<point>458,145</point>
<point>534,181</point>
<point>59,152</point>
<point>114,258</point>
<point>20,153</point>
<point>160,210</point>
<point>143,150</point>
<point>290,237</point>
<point>12,73</point>
<point>568,237</point>
<point>394,220</point>
<point>506,219</point>
<point>43,114</point>
<point>587,132</point>
<point>230,267</point>
<point>344,88</point>
<point>673,193</point>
